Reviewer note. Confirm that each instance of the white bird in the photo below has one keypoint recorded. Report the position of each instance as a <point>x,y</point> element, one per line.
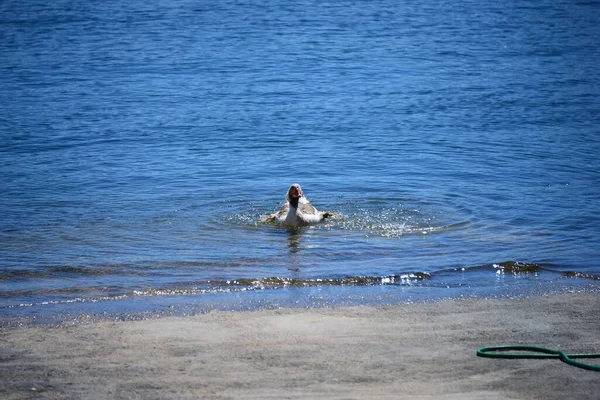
<point>297,211</point>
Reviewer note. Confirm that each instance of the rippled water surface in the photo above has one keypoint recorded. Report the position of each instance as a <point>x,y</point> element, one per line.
<point>141,144</point>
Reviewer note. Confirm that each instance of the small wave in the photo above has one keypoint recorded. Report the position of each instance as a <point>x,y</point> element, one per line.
<point>440,278</point>
<point>129,295</point>
<point>209,287</point>
<point>521,268</point>
<point>573,274</point>
<point>62,271</point>
<point>515,267</point>
<point>277,282</point>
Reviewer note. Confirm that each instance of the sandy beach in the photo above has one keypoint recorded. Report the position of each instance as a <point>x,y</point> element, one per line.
<point>413,351</point>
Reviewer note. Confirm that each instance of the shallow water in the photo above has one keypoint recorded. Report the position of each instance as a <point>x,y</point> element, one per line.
<point>141,145</point>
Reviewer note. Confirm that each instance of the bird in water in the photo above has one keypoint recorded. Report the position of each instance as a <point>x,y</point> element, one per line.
<point>297,211</point>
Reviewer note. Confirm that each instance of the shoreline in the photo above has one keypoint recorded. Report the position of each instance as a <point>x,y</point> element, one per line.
<point>136,308</point>
<point>417,351</point>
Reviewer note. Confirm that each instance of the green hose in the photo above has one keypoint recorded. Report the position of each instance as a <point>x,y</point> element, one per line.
<point>496,352</point>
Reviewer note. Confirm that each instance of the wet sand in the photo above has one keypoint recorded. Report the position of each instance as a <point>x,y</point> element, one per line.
<point>413,351</point>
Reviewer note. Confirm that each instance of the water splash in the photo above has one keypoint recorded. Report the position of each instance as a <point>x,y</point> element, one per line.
<point>377,220</point>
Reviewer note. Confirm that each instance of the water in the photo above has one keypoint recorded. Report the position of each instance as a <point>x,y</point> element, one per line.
<point>140,144</point>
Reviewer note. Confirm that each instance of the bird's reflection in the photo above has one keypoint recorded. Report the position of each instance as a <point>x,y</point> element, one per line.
<point>294,246</point>
<point>294,240</point>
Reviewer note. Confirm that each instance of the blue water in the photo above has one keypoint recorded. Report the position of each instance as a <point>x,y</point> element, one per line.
<point>141,144</point>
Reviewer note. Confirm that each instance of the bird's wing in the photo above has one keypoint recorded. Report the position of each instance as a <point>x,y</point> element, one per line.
<point>307,208</point>
<point>279,214</point>
<point>284,209</point>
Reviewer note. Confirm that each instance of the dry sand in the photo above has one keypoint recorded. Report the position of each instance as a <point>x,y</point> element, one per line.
<point>413,351</point>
